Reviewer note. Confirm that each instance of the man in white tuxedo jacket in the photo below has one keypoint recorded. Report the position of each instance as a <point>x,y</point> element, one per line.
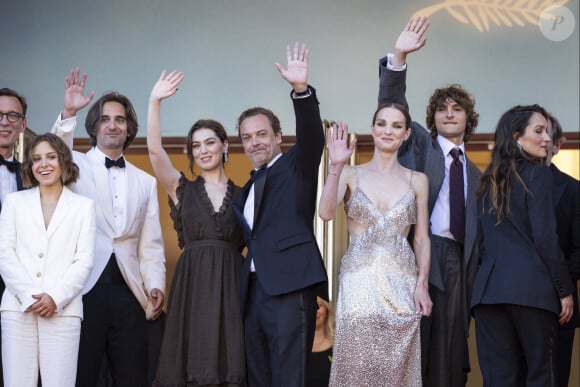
<point>126,286</point>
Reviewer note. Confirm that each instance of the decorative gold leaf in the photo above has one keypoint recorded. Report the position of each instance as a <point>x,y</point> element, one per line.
<point>500,12</point>
<point>474,19</point>
<point>483,16</point>
<point>516,20</point>
<point>492,16</point>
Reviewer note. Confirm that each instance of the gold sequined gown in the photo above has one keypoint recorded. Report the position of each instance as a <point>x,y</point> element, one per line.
<point>377,340</point>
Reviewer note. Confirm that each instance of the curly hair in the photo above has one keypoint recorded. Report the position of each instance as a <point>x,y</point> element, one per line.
<point>462,98</point>
<point>69,170</point>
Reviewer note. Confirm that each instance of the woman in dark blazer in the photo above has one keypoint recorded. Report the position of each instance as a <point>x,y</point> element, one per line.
<point>522,287</point>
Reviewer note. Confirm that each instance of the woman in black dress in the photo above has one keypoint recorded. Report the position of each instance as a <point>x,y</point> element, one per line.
<point>203,338</point>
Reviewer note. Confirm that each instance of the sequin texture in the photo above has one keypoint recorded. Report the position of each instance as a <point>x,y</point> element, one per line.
<point>377,340</point>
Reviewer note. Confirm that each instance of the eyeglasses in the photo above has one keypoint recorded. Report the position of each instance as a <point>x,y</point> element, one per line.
<point>12,117</point>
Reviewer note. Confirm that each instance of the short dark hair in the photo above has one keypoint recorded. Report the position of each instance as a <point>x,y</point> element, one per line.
<point>7,92</point>
<point>397,106</point>
<point>93,118</point>
<point>69,170</point>
<point>255,111</point>
<point>212,125</point>
<point>556,129</point>
<point>458,94</point>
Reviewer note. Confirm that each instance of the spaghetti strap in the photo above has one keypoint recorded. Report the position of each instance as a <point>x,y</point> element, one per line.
<point>356,174</point>
<point>411,179</point>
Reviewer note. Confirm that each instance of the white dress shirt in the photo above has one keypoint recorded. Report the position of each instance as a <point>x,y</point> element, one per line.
<point>440,217</point>
<point>7,181</point>
<point>249,206</point>
<point>118,190</point>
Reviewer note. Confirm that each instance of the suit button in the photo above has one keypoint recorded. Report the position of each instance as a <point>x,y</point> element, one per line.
<point>41,255</point>
<point>39,274</point>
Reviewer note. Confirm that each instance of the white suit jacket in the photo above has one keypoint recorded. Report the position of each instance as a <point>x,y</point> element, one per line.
<point>56,260</point>
<point>139,246</point>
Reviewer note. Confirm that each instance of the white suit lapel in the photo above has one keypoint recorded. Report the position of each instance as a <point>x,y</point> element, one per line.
<point>103,191</point>
<point>36,209</point>
<point>60,212</point>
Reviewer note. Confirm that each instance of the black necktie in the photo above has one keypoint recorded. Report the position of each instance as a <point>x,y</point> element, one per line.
<point>11,165</point>
<point>258,177</point>
<point>456,196</point>
<point>255,174</point>
<point>120,162</point>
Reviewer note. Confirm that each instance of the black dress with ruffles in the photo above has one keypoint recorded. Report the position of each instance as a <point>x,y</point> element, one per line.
<point>203,342</point>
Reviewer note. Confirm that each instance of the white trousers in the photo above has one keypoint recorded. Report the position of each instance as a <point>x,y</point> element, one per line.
<point>30,343</point>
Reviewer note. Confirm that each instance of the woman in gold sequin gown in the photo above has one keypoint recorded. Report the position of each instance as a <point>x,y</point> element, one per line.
<point>383,289</point>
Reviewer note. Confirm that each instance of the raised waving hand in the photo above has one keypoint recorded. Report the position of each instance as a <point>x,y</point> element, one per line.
<point>296,70</point>
<point>166,86</point>
<point>74,93</point>
<point>168,176</point>
<point>339,152</point>
<point>411,39</point>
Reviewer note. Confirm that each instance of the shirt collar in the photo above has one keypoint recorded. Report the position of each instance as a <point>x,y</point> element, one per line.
<point>447,145</point>
<point>102,156</point>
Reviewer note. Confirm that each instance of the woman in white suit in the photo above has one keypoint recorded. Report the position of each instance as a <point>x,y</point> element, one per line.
<point>46,254</point>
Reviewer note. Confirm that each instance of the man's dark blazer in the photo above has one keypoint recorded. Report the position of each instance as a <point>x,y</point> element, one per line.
<point>281,241</point>
<point>521,262</point>
<point>566,191</point>
<point>18,173</point>
<point>422,153</point>
<point>19,187</point>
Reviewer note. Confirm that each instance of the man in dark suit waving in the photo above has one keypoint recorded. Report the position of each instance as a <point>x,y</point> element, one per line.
<point>283,267</point>
<point>12,123</point>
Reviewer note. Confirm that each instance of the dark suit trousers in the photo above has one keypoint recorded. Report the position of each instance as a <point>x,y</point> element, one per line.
<point>510,337</point>
<point>443,340</point>
<point>564,345</point>
<point>114,325</point>
<point>279,333</point>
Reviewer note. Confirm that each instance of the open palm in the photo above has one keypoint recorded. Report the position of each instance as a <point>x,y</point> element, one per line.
<point>166,86</point>
<point>296,70</point>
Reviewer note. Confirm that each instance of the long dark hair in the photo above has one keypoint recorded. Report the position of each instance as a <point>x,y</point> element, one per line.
<point>499,177</point>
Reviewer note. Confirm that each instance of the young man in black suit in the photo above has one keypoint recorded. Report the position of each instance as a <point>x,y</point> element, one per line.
<point>283,268</point>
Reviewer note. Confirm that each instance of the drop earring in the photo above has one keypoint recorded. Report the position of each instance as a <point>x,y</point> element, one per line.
<point>520,147</point>
<point>226,156</point>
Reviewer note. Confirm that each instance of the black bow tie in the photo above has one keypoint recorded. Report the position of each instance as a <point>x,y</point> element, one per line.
<point>11,165</point>
<point>120,162</point>
<point>257,173</point>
